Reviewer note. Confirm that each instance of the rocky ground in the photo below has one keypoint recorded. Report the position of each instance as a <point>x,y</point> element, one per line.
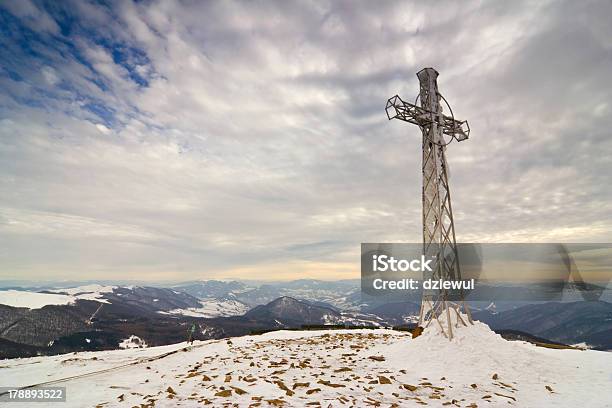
<point>344,368</point>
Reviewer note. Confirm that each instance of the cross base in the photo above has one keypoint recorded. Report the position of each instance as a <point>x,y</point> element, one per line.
<point>444,312</point>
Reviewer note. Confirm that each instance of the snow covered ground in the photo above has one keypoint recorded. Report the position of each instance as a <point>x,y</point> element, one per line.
<point>88,292</point>
<point>36,300</point>
<point>32,300</point>
<point>213,308</point>
<point>331,368</point>
<point>132,342</point>
<point>92,292</point>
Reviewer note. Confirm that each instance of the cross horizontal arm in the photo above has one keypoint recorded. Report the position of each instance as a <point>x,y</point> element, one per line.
<point>398,109</point>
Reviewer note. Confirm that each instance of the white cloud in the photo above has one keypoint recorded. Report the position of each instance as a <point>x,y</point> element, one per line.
<point>103,128</point>
<point>32,16</point>
<point>50,75</point>
<point>255,129</point>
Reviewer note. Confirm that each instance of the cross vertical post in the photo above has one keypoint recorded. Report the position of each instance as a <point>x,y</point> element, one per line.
<point>439,242</point>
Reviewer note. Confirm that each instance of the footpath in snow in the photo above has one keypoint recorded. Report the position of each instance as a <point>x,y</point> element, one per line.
<point>340,368</point>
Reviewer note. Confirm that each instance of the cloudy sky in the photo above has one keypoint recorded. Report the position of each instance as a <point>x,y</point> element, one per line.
<point>182,140</point>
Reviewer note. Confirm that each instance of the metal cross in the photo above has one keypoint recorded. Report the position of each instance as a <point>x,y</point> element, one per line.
<point>438,131</point>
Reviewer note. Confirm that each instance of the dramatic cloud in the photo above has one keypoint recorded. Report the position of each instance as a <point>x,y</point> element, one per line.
<point>167,140</point>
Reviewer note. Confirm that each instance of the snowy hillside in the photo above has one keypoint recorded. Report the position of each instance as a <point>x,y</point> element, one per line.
<point>157,298</point>
<point>212,308</point>
<point>36,300</point>
<point>32,300</point>
<point>331,368</point>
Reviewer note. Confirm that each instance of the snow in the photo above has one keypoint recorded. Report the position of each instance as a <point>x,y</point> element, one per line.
<point>212,308</point>
<point>32,300</point>
<point>132,342</point>
<point>340,367</point>
<point>87,292</point>
<point>360,319</point>
<point>583,346</point>
<point>336,298</point>
<point>96,289</point>
<point>63,296</point>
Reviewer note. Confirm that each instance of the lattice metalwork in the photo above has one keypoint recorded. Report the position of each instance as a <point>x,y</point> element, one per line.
<point>439,241</point>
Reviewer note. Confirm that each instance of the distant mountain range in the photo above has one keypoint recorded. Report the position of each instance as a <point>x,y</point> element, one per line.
<point>343,295</point>
<point>85,324</point>
<point>94,317</point>
<point>289,312</point>
<point>569,323</point>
